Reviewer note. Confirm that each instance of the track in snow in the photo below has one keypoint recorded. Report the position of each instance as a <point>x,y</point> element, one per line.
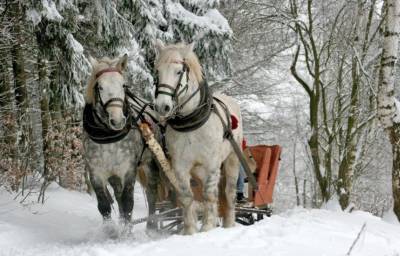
<point>69,224</point>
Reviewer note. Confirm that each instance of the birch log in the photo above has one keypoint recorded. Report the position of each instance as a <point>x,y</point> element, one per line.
<point>158,152</point>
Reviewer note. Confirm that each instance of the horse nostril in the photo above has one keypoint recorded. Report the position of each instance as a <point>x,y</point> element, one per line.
<point>167,108</point>
<point>123,122</point>
<point>113,123</point>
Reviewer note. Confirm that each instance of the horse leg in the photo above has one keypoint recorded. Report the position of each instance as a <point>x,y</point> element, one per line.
<point>151,192</point>
<point>116,184</point>
<point>231,172</point>
<point>210,195</point>
<point>102,195</point>
<point>185,197</point>
<point>127,196</point>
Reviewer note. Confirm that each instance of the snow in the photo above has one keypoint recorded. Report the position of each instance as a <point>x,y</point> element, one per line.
<point>253,104</point>
<point>64,4</point>
<point>75,45</point>
<point>50,10</point>
<point>390,217</point>
<point>211,21</point>
<point>69,224</point>
<point>34,16</point>
<point>333,205</point>
<point>204,3</point>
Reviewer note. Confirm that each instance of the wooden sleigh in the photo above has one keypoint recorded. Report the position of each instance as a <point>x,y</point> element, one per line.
<point>258,206</point>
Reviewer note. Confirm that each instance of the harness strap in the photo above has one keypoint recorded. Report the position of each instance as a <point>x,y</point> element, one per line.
<point>199,116</point>
<point>229,135</point>
<point>98,74</point>
<point>140,102</point>
<point>111,101</point>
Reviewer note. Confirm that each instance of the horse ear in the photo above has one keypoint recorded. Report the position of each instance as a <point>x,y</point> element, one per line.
<point>123,62</point>
<point>189,48</point>
<point>159,45</point>
<point>92,61</point>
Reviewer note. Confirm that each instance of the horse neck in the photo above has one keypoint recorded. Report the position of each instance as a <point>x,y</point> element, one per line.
<point>194,102</point>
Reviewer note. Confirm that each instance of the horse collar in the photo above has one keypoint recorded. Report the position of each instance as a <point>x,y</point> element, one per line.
<point>198,117</point>
<point>98,131</point>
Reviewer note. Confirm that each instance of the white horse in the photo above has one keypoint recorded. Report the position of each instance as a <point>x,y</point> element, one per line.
<point>198,150</point>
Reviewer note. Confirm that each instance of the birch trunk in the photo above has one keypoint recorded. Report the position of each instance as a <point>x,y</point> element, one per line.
<point>347,164</point>
<point>388,111</point>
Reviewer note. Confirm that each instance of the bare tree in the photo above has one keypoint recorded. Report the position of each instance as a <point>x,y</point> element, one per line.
<point>388,105</point>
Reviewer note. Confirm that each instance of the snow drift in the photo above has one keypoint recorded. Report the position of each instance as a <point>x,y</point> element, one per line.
<point>69,224</point>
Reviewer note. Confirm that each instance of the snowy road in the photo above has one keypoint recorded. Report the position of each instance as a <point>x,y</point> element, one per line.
<point>69,224</point>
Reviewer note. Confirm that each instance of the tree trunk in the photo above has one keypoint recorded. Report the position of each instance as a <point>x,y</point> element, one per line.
<point>346,167</point>
<point>44,105</point>
<point>9,125</point>
<point>18,63</point>
<point>388,111</point>
<point>35,117</point>
<point>55,100</point>
<point>395,140</point>
<point>44,91</point>
<point>296,182</point>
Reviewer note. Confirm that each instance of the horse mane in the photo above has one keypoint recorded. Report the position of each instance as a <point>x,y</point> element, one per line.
<point>169,54</point>
<point>103,63</point>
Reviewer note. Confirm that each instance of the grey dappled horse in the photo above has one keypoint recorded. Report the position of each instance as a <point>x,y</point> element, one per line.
<point>112,147</point>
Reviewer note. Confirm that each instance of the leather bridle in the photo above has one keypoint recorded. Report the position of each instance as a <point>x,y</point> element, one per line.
<point>112,101</point>
<point>175,92</point>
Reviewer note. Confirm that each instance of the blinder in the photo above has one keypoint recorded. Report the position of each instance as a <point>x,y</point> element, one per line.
<point>174,93</point>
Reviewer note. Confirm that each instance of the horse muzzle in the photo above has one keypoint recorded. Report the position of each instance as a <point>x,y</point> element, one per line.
<point>163,109</point>
<point>117,124</point>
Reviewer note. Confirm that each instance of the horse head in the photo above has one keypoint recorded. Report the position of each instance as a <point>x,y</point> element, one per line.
<point>106,90</point>
<point>179,73</point>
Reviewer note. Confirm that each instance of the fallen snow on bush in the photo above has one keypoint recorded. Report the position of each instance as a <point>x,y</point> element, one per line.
<point>69,224</point>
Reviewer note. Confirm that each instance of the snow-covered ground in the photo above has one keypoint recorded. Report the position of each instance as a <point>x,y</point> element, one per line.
<point>69,224</point>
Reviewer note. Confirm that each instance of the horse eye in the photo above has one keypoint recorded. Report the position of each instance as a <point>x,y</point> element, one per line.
<point>100,87</point>
<point>179,72</point>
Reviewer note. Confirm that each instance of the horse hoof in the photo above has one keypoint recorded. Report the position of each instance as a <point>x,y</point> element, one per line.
<point>189,231</point>
<point>110,229</point>
<point>206,227</point>
<point>229,224</point>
